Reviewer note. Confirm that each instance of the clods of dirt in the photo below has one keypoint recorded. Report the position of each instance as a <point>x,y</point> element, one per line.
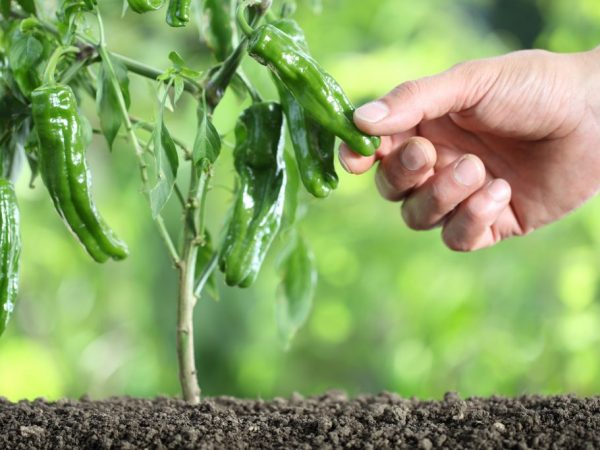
<point>330,421</point>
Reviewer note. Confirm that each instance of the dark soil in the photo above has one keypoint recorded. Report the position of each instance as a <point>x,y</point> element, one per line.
<point>329,421</point>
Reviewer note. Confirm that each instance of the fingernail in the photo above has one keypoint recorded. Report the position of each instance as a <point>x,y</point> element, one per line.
<point>372,112</point>
<point>467,172</point>
<point>342,161</point>
<point>499,190</point>
<point>413,157</point>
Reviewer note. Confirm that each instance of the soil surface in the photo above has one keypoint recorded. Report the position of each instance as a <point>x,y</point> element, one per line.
<point>328,421</point>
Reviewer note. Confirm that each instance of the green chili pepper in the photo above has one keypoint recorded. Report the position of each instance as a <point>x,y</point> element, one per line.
<point>10,250</point>
<point>317,91</point>
<point>258,208</point>
<point>218,30</point>
<point>178,12</point>
<point>62,145</point>
<point>143,6</point>
<point>313,144</point>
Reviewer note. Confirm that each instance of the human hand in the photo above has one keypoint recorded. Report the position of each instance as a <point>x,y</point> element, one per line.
<point>491,148</point>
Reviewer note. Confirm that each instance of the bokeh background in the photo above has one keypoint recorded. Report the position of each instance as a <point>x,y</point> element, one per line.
<point>394,310</point>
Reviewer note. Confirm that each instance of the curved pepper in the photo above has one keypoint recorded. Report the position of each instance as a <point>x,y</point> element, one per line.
<point>62,165</point>
<point>143,6</point>
<point>178,12</point>
<point>258,208</point>
<point>317,91</point>
<point>219,31</point>
<point>10,250</point>
<point>313,144</point>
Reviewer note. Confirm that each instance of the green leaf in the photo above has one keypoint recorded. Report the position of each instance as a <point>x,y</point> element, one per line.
<point>25,53</point>
<point>159,196</point>
<point>178,84</point>
<point>166,160</point>
<point>107,102</point>
<point>207,145</point>
<point>5,8</point>
<point>27,5</point>
<point>297,288</point>
<point>205,253</point>
<point>177,60</point>
<point>292,189</point>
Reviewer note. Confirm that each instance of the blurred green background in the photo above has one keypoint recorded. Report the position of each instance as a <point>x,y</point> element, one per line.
<point>394,310</point>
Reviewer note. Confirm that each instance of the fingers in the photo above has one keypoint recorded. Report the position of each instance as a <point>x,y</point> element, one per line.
<point>405,168</point>
<point>430,203</point>
<point>472,225</point>
<point>424,99</point>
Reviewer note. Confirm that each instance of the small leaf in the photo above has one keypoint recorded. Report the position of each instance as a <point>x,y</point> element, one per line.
<point>290,209</point>
<point>190,73</point>
<point>205,253</point>
<point>169,149</point>
<point>297,288</point>
<point>107,102</point>
<point>176,59</point>
<point>5,8</point>
<point>207,145</point>
<point>25,53</point>
<point>159,196</point>
<point>178,84</point>
<point>27,5</point>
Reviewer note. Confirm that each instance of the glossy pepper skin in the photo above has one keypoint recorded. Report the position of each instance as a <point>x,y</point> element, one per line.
<point>178,12</point>
<point>219,30</point>
<point>317,91</point>
<point>143,6</point>
<point>10,251</point>
<point>258,208</point>
<point>313,144</point>
<point>64,171</point>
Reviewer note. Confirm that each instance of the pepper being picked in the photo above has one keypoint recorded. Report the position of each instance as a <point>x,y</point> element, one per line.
<point>62,145</point>
<point>313,144</point>
<point>318,92</point>
<point>10,251</point>
<point>258,208</point>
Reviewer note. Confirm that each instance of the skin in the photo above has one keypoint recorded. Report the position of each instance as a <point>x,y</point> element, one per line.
<point>489,149</point>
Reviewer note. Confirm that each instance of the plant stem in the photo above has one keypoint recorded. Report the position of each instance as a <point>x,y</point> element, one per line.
<point>146,71</point>
<point>187,299</point>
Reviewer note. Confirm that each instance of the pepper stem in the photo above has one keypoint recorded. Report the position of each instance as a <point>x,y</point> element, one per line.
<point>48,77</point>
<point>241,17</point>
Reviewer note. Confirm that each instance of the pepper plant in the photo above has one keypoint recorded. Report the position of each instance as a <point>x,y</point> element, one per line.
<point>52,56</point>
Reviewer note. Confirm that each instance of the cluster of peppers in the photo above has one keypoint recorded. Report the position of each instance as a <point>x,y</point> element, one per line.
<point>58,136</point>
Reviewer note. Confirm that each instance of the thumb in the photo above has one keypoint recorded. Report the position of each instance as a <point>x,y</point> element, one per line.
<point>412,102</point>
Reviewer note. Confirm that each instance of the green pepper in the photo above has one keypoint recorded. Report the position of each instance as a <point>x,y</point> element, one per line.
<point>178,12</point>
<point>317,91</point>
<point>218,30</point>
<point>143,6</point>
<point>10,250</point>
<point>258,208</point>
<point>61,146</point>
<point>313,144</point>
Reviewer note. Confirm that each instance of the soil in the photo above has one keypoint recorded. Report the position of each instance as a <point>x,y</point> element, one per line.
<point>329,421</point>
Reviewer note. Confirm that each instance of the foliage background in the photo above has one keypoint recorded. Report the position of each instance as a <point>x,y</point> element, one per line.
<point>394,310</point>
